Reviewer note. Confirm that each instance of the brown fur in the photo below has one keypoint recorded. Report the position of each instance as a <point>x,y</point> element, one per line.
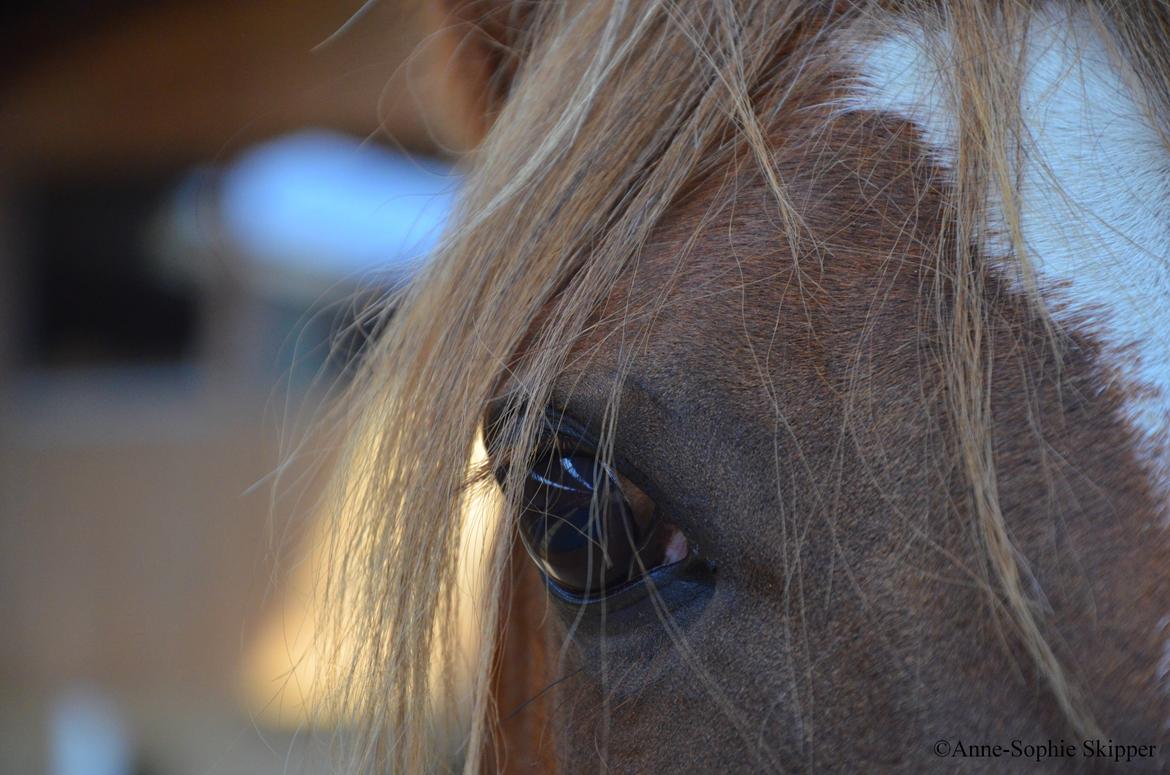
<point>851,598</point>
<point>925,506</point>
<point>850,594</point>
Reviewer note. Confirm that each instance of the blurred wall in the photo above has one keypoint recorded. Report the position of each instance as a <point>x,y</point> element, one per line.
<point>175,81</point>
<point>143,413</point>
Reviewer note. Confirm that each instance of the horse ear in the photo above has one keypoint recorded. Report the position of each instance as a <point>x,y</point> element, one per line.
<point>482,41</point>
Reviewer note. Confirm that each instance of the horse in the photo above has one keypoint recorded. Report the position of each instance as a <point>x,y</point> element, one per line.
<point>817,352</point>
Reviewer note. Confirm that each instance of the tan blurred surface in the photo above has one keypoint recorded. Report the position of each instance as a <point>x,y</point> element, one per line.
<point>131,540</point>
<point>138,535</point>
<point>135,550</point>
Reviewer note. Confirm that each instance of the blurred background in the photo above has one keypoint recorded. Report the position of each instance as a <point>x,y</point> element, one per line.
<point>196,200</point>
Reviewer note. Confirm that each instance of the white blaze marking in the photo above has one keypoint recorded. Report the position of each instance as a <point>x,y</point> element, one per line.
<point>1095,200</point>
<point>1094,192</point>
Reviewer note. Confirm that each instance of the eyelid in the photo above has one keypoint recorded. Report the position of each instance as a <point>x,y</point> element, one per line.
<point>563,427</point>
<point>561,424</point>
<point>558,428</point>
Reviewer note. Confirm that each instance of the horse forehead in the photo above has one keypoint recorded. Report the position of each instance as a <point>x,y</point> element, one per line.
<point>1095,217</point>
<point>1093,179</point>
<point>719,285</point>
<point>1094,185</point>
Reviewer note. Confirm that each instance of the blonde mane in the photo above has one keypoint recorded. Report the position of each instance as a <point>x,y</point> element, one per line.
<point>617,108</point>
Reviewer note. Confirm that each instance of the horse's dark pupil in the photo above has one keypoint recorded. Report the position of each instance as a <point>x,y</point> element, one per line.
<point>581,554</point>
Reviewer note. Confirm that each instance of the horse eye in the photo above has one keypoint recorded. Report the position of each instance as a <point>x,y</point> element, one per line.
<point>589,551</point>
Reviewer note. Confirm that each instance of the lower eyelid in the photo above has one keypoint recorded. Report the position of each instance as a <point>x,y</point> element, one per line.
<point>693,572</point>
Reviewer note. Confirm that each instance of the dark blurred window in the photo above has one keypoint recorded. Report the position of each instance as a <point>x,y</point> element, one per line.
<point>29,29</point>
<point>95,294</point>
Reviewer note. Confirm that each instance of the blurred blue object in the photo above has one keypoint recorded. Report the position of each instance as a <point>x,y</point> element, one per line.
<point>288,246</point>
<point>330,206</point>
<point>88,736</point>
